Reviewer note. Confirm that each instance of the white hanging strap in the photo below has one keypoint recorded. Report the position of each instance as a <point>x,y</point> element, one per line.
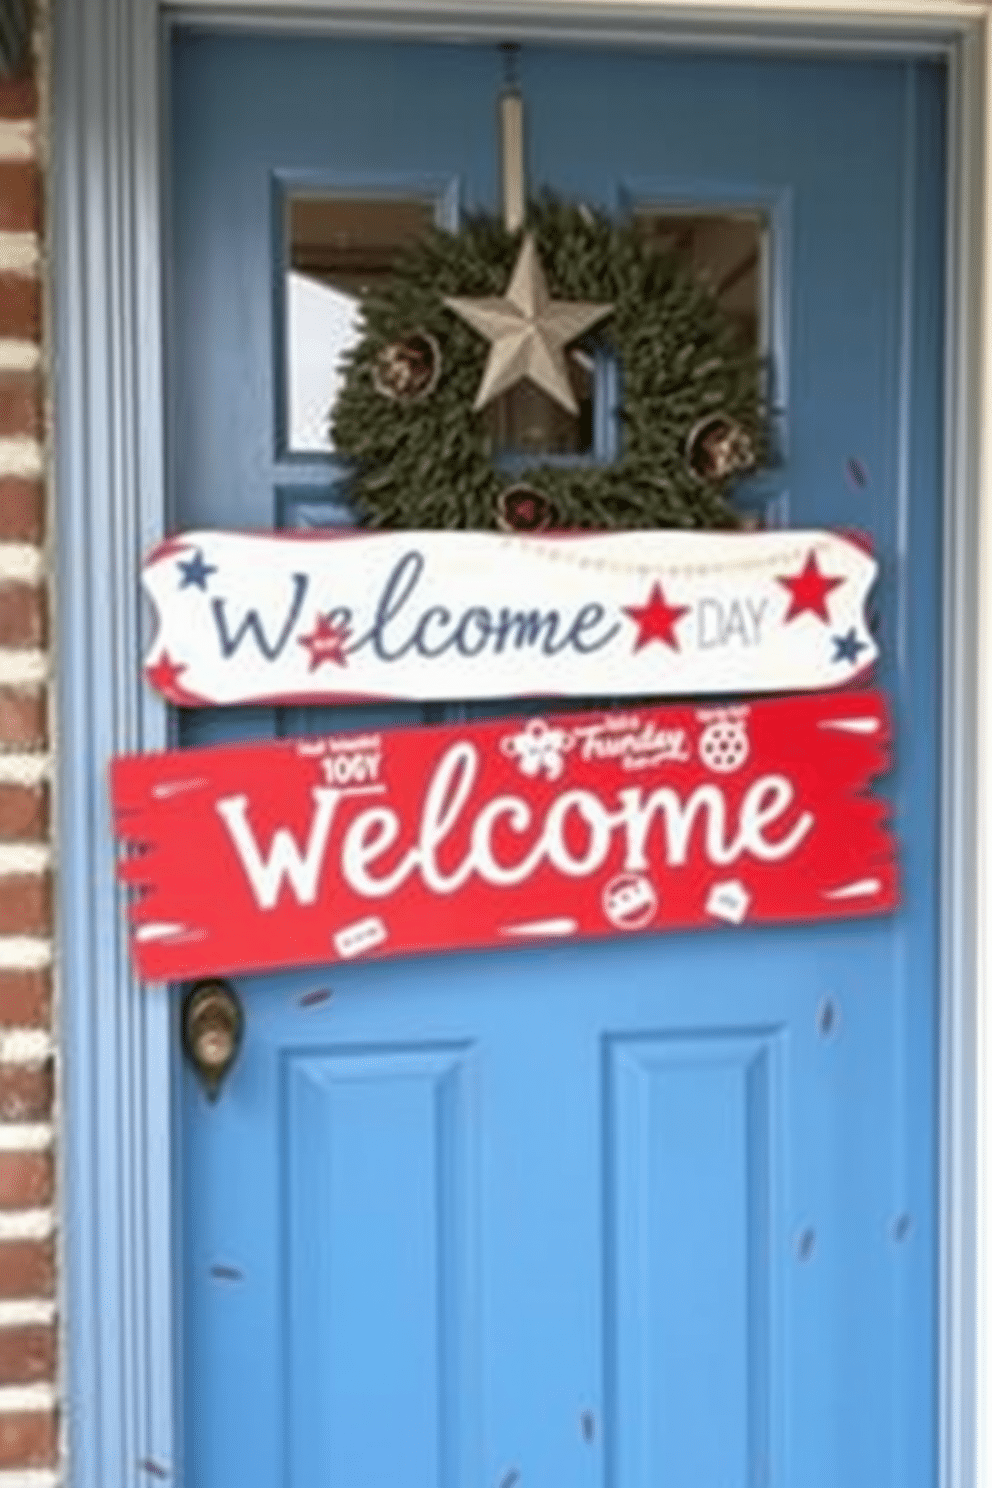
<point>511,121</point>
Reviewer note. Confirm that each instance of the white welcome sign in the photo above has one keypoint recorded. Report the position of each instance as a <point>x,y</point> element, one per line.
<point>249,618</point>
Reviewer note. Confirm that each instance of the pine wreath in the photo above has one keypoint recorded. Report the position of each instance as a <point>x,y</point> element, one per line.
<point>425,460</point>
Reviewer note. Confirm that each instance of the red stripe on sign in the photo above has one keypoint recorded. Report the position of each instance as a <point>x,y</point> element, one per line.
<point>254,856</point>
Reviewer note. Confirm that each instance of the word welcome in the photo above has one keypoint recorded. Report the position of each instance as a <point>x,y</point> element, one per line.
<point>256,618</point>
<point>486,834</point>
<point>574,835</point>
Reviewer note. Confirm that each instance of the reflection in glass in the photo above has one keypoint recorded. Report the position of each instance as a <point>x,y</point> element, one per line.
<point>525,421</point>
<point>339,248</point>
<point>727,250</point>
<point>324,324</point>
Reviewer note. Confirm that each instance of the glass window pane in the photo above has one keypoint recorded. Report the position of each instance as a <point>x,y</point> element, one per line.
<point>338,249</point>
<point>526,421</point>
<point>726,250</point>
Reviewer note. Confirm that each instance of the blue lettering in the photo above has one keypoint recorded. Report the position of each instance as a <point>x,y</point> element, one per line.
<point>525,627</point>
<point>438,614</point>
<point>252,624</point>
<point>399,586</point>
<point>588,618</point>
<point>477,629</point>
<point>481,619</point>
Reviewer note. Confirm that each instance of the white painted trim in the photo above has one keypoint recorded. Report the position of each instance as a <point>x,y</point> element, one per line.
<point>715,17</point>
<point>965,1319</point>
<point>109,455</point>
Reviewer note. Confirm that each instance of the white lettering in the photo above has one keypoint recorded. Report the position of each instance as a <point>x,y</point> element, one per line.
<point>447,794</point>
<point>600,824</point>
<point>575,837</point>
<point>637,816</point>
<point>285,861</point>
<point>368,837</point>
<point>343,769</point>
<point>764,803</point>
<point>518,815</point>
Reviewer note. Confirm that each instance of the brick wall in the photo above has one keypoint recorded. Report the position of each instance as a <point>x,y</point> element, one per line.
<point>29,1433</point>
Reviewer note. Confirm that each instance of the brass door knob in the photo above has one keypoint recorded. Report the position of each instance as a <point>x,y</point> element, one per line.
<point>212,1027</point>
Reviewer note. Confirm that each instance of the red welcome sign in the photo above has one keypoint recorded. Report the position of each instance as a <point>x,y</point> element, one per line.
<point>503,833</point>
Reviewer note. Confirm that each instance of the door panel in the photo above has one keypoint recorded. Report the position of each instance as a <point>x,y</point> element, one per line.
<point>378,1218</point>
<point>690,1150</point>
<point>630,1214</point>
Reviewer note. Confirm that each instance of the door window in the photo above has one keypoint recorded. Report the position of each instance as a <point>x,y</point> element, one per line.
<point>339,248</point>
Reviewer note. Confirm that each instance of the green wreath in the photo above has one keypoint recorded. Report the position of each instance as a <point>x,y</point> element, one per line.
<point>691,413</point>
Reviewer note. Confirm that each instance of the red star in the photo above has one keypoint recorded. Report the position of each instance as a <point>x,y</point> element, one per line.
<point>326,642</point>
<point>164,676</point>
<point>656,620</point>
<point>808,590</point>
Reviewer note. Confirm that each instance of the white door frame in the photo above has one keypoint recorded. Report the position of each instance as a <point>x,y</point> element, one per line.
<point>107,286</point>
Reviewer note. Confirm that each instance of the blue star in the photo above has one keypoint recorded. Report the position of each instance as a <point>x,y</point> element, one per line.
<point>847,647</point>
<point>195,571</point>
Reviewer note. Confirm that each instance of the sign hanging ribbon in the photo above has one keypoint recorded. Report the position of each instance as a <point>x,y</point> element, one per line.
<point>433,615</point>
<point>253,856</point>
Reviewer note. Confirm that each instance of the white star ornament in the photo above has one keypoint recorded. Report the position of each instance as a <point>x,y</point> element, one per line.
<point>528,332</point>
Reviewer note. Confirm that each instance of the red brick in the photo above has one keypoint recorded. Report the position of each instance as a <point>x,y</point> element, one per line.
<point>26,998</point>
<point>20,306</point>
<point>28,1439</point>
<point>25,904</point>
<point>23,718</point>
<point>23,617</point>
<point>20,404</point>
<point>23,812</point>
<point>18,98</point>
<point>20,196</point>
<point>22,510</point>
<point>25,1180</point>
<point>27,1354</point>
<point>26,1091</point>
<point>27,1269</point>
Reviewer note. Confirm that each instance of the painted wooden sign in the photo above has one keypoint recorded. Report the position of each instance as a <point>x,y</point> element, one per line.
<point>432,615</point>
<point>507,832</point>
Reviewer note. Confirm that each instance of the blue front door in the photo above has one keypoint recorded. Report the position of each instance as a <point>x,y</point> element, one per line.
<point>647,1214</point>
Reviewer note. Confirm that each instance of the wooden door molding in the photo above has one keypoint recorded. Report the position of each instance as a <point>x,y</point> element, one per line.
<point>107,327</point>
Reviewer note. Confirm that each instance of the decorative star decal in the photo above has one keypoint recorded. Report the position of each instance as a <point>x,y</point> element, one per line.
<point>195,571</point>
<point>808,590</point>
<point>326,641</point>
<point>164,674</point>
<point>848,647</point>
<point>656,620</point>
<point>528,331</point>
